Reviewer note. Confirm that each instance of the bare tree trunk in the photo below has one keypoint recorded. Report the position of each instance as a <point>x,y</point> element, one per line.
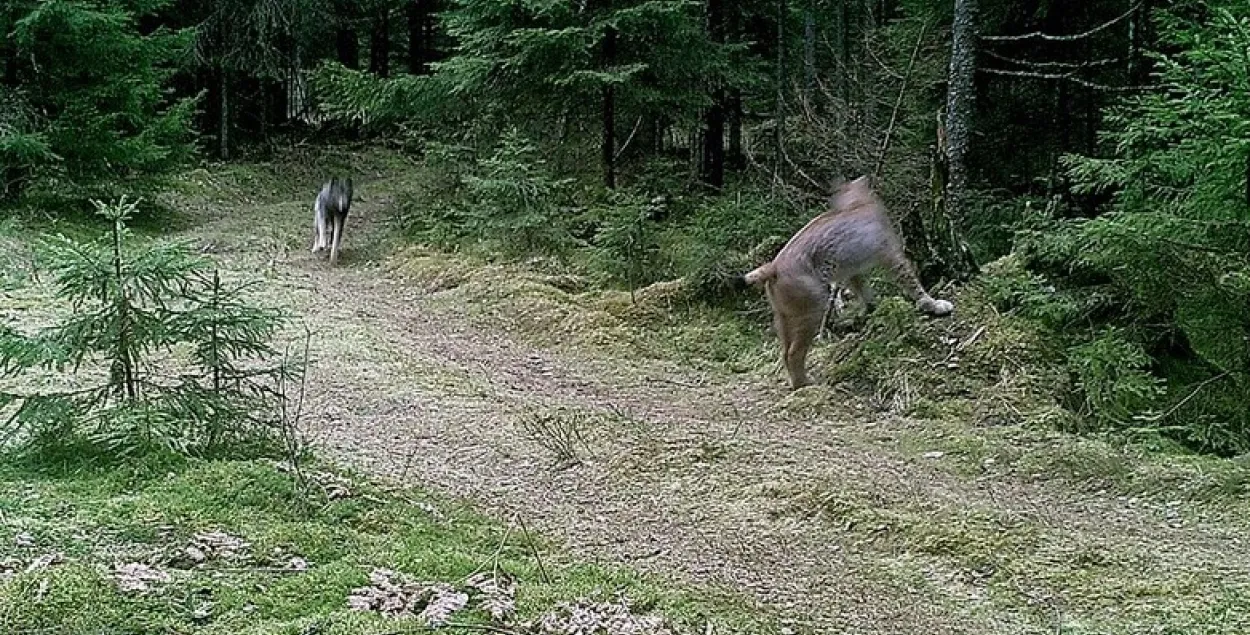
<point>11,186</point>
<point>842,49</point>
<point>960,97</point>
<point>809,50</point>
<point>1248,179</point>
<point>223,116</point>
<point>779,130</point>
<point>380,44</point>
<point>609,112</point>
<point>8,49</point>
<point>712,168</point>
<point>346,40</point>
<point>1062,122</point>
<point>950,164</point>
<point>348,45</point>
<point>735,158</point>
<point>1138,41</point>
<point>418,43</point>
<point>432,53</point>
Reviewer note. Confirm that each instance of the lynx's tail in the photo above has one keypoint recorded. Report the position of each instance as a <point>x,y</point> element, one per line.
<point>760,274</point>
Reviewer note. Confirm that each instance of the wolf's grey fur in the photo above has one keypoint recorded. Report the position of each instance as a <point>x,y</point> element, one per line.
<point>330,215</point>
<point>842,245</point>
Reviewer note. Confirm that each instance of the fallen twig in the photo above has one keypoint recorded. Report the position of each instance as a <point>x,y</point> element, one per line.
<point>534,548</point>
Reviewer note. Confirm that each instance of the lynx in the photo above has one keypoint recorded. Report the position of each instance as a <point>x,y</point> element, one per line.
<point>841,245</point>
<point>330,215</point>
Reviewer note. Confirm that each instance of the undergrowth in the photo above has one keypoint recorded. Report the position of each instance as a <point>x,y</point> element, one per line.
<point>207,547</point>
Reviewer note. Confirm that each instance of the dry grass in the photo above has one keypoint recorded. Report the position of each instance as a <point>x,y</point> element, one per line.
<point>560,431</point>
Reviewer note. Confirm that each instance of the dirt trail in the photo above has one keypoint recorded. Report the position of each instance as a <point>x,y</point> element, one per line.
<point>698,477</point>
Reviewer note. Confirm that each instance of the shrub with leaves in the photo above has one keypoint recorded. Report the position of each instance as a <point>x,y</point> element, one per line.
<point>1171,259</point>
<point>131,311</point>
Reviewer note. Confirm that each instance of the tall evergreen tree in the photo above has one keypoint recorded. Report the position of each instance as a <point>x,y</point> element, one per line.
<point>547,62</point>
<point>97,84</point>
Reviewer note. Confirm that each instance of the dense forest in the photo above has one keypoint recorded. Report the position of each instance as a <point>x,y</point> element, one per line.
<point>1085,161</point>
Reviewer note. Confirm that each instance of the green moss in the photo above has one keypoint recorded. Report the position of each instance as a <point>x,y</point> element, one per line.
<point>104,517</point>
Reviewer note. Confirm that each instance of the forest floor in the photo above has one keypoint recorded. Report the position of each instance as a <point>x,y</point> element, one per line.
<point>465,378</point>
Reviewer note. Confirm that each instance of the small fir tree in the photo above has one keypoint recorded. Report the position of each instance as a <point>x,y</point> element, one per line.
<point>131,310</point>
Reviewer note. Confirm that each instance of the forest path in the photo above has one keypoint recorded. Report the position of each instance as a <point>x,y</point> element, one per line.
<point>828,518</point>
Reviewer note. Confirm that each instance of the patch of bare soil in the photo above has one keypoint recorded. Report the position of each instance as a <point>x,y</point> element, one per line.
<point>818,514</point>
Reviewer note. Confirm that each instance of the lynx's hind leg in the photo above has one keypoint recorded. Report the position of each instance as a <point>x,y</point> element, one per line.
<point>336,238</point>
<point>798,309</point>
<point>801,330</point>
<point>905,273</point>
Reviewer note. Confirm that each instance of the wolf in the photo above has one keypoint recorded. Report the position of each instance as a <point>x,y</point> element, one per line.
<point>330,215</point>
<point>842,245</point>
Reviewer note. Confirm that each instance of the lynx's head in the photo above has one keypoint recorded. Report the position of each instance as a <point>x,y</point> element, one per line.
<point>853,194</point>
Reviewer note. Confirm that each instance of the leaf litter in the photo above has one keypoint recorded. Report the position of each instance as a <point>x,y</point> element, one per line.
<point>395,595</point>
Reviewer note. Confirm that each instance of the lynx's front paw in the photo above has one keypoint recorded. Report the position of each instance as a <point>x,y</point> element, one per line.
<point>935,307</point>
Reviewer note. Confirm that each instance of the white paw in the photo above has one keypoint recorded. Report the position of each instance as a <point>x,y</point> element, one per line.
<point>938,307</point>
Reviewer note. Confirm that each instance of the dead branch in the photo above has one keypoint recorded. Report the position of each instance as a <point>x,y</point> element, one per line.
<point>1038,35</point>
<point>464,626</point>
<point>1063,77</point>
<point>542,570</point>
<point>1065,65</point>
<point>628,140</point>
<point>898,101</point>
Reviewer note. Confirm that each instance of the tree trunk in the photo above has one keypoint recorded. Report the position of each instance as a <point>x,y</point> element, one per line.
<point>779,130</point>
<point>846,36</point>
<point>432,52</point>
<point>12,175</point>
<point>348,45</point>
<point>809,50</point>
<point>277,102</point>
<point>951,208</point>
<point>712,168</point>
<point>609,112</point>
<point>1248,180</point>
<point>1061,118</point>
<point>380,44</point>
<point>346,39</point>
<point>8,49</point>
<point>735,159</point>
<point>418,43</point>
<point>960,98</point>
<point>223,115</point>
<point>1138,41</point>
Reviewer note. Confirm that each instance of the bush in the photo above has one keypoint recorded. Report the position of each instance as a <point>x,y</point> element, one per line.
<point>91,114</point>
<point>132,311</point>
<point>507,202</point>
<point>725,236</point>
<point>625,248</point>
<point>1159,283</point>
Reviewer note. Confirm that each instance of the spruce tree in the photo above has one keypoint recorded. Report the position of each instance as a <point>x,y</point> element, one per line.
<point>130,309</point>
<point>92,112</point>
